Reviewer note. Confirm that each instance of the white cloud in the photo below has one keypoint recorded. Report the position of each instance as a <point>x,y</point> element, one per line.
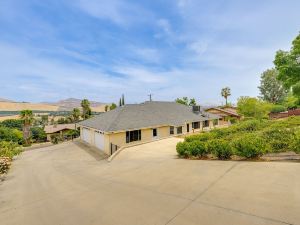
<point>119,12</point>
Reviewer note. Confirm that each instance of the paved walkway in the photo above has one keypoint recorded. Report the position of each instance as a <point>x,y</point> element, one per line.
<point>146,184</point>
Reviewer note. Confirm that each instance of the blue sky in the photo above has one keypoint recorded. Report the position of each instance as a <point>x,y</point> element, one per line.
<point>55,49</point>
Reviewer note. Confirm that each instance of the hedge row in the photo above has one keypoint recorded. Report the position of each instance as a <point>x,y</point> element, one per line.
<point>249,139</point>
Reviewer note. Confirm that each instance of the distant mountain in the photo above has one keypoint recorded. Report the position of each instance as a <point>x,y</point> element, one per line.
<point>71,103</point>
<point>62,105</point>
<point>5,100</point>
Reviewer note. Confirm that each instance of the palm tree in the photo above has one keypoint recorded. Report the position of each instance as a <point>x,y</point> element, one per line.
<point>27,117</point>
<point>76,114</point>
<point>86,109</point>
<point>225,92</point>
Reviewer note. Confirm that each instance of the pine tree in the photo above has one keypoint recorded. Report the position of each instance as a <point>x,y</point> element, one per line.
<point>120,102</point>
<point>123,99</point>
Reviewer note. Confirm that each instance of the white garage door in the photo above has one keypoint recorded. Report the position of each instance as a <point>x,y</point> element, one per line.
<point>99,140</point>
<point>86,135</point>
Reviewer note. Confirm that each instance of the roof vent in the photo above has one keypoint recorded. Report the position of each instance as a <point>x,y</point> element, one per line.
<point>196,108</point>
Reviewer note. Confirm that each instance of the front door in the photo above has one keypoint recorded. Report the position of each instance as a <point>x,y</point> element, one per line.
<point>188,128</point>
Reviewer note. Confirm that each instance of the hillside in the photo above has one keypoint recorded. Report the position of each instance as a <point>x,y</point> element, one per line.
<point>62,105</point>
<point>18,106</point>
<point>71,103</point>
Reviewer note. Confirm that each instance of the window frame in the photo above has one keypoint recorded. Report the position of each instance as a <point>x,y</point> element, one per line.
<point>133,135</point>
<point>179,129</point>
<point>198,125</point>
<point>172,130</point>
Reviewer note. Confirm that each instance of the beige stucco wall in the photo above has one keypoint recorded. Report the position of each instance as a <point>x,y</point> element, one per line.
<point>119,138</point>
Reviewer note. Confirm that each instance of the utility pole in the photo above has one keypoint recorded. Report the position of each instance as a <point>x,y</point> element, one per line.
<point>150,96</point>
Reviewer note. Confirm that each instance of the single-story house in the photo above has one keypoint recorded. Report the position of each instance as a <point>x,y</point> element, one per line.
<point>139,123</point>
<point>225,114</point>
<point>58,129</point>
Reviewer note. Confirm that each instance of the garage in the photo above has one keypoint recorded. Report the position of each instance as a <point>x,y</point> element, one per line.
<point>99,140</point>
<point>86,135</point>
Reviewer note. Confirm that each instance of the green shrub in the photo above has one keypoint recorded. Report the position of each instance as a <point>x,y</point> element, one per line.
<point>278,139</point>
<point>278,108</point>
<point>220,148</point>
<point>9,149</point>
<point>11,134</point>
<point>233,120</point>
<point>251,125</point>
<point>194,148</point>
<point>250,146</point>
<point>182,149</point>
<point>197,149</point>
<point>295,143</point>
<point>38,134</point>
<point>12,123</point>
<point>200,137</point>
<point>55,138</point>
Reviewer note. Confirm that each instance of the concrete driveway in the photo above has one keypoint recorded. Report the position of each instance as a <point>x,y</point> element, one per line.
<point>146,184</point>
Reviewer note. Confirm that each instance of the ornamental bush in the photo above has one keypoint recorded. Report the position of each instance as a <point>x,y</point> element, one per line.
<point>250,146</point>
<point>278,139</point>
<point>197,149</point>
<point>189,149</point>
<point>182,149</point>
<point>220,148</point>
<point>250,125</point>
<point>200,137</point>
<point>295,144</point>
<point>9,149</point>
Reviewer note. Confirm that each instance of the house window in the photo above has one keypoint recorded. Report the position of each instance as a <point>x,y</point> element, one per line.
<point>196,125</point>
<point>188,128</point>
<point>171,130</point>
<point>206,123</point>
<point>154,132</point>
<point>179,130</point>
<point>134,135</point>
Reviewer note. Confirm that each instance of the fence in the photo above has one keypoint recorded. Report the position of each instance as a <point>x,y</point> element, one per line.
<point>293,112</point>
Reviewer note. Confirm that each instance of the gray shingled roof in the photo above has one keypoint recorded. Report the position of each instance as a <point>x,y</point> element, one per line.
<point>148,114</point>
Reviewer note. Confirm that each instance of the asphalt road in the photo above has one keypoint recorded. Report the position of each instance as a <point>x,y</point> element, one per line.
<point>146,184</point>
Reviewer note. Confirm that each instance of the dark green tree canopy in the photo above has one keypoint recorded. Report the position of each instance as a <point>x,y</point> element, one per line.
<point>186,101</point>
<point>288,64</point>
<point>271,89</point>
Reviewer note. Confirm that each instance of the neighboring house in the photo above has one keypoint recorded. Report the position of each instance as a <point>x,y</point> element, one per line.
<point>225,113</point>
<point>138,123</point>
<point>58,129</point>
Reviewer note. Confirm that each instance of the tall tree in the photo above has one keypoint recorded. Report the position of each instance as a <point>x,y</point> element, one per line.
<point>120,102</point>
<point>123,99</point>
<point>192,102</point>
<point>27,117</point>
<point>184,100</point>
<point>86,109</point>
<point>226,92</point>
<point>271,89</point>
<point>253,107</point>
<point>76,114</point>
<point>288,64</point>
